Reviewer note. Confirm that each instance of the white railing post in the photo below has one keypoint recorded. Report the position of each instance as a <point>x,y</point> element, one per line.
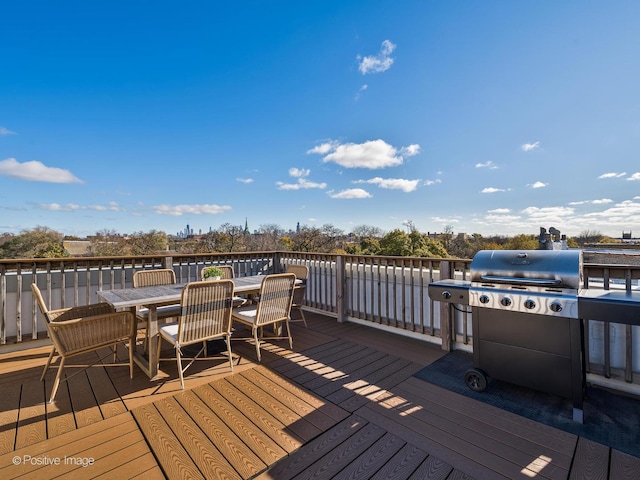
<point>340,288</point>
<point>446,316</point>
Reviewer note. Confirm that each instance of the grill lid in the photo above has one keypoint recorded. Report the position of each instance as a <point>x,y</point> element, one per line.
<point>540,268</point>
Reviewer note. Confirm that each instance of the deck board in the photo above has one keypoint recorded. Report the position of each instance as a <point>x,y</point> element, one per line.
<point>591,461</point>
<point>32,426</point>
<point>403,464</point>
<point>9,410</point>
<point>341,402</point>
<point>432,468</point>
<point>202,451</point>
<point>340,457</point>
<point>267,449</point>
<point>232,448</point>
<point>109,401</point>
<point>623,466</point>
<point>471,432</point>
<point>270,425</point>
<point>173,457</point>
<point>100,439</point>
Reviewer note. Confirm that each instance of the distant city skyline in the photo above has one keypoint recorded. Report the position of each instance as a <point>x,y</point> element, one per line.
<point>495,117</point>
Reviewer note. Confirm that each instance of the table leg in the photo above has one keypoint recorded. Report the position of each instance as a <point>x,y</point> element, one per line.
<point>149,364</point>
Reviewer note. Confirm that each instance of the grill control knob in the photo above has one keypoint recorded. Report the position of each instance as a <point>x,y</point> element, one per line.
<point>484,299</point>
<point>555,307</point>
<point>506,302</point>
<point>529,304</point>
<point>446,294</point>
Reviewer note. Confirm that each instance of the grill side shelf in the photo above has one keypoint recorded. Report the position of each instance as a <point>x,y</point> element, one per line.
<point>450,291</point>
<point>609,306</point>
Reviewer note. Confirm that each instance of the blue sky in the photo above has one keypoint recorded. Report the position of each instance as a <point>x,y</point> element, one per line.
<point>491,117</point>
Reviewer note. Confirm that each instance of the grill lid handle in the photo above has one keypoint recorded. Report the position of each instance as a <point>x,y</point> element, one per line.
<point>545,282</point>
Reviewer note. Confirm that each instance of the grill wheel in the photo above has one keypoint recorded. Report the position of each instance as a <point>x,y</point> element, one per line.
<point>475,379</point>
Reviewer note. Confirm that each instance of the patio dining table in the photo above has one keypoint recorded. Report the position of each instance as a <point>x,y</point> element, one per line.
<point>157,296</point>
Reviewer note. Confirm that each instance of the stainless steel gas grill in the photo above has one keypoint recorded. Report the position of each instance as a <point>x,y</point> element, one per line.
<point>527,311</point>
<point>526,327</point>
<point>524,311</point>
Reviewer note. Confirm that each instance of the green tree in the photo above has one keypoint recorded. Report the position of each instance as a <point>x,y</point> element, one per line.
<point>313,239</point>
<point>108,243</point>
<point>40,242</point>
<point>396,243</point>
<point>522,242</point>
<point>230,238</point>
<point>141,243</point>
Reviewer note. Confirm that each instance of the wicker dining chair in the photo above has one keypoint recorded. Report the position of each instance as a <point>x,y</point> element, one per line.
<point>206,315</point>
<point>227,272</point>
<point>273,308</point>
<point>85,329</point>
<point>302,273</point>
<point>151,278</point>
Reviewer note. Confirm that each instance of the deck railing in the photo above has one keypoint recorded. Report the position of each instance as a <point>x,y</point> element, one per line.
<point>385,292</point>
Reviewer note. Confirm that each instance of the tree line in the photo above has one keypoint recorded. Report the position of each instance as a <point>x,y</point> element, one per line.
<point>43,242</point>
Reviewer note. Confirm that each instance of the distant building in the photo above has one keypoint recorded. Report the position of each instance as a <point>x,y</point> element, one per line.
<point>77,248</point>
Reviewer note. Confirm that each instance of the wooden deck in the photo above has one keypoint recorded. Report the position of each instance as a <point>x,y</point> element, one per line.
<point>342,404</point>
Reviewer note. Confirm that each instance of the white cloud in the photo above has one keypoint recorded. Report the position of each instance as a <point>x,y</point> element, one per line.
<point>502,219</point>
<point>377,63</point>
<point>244,180</point>
<point>527,147</point>
<point>35,171</point>
<point>620,216</point>
<point>492,190</point>
<point>371,154</point>
<point>72,207</point>
<point>538,185</point>
<point>500,210</point>
<point>600,201</point>
<point>351,193</point>
<point>302,183</point>
<point>56,207</point>
<point>432,182</point>
<point>444,220</point>
<point>549,215</point>
<point>487,164</point>
<point>299,172</point>
<point>635,176</point>
<point>4,131</point>
<point>410,151</point>
<point>179,210</point>
<point>324,148</point>
<point>612,175</point>
<point>393,183</point>
<point>362,89</point>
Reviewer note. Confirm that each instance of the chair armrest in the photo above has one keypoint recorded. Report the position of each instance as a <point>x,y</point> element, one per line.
<point>81,333</point>
<point>80,312</point>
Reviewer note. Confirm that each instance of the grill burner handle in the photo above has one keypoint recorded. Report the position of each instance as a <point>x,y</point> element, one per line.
<point>543,282</point>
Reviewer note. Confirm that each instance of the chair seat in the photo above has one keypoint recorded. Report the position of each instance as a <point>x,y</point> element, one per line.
<point>246,314</point>
<point>170,331</point>
<point>238,302</point>
<point>166,311</point>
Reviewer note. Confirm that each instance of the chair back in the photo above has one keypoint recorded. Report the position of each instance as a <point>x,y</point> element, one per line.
<point>276,296</point>
<point>227,272</point>
<point>43,306</point>
<point>302,273</point>
<point>71,313</point>
<point>206,310</point>
<point>150,278</point>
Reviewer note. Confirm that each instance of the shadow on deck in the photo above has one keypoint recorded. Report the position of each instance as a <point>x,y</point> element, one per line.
<point>343,404</point>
